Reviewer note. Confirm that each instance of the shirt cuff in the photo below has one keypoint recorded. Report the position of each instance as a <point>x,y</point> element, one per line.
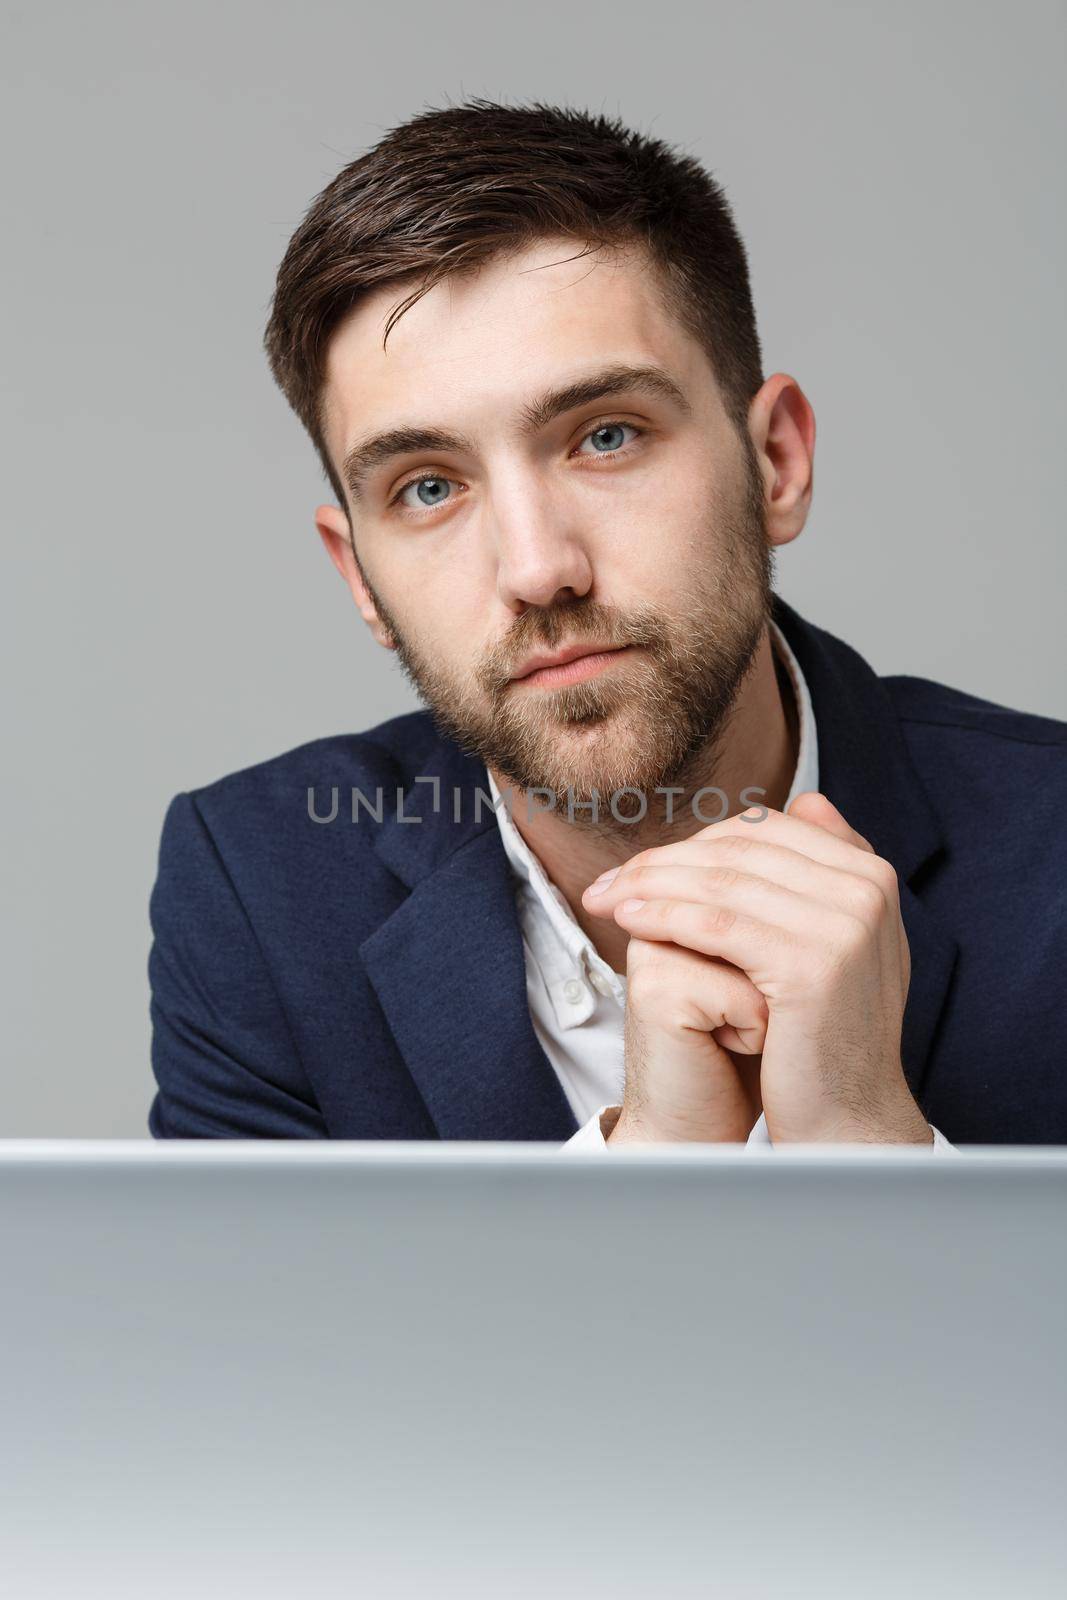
<point>760,1136</point>
<point>591,1135</point>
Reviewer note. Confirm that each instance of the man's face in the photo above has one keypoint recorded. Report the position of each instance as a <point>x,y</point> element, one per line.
<point>630,522</point>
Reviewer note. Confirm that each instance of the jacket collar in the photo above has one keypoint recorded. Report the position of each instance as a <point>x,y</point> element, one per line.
<point>448,966</point>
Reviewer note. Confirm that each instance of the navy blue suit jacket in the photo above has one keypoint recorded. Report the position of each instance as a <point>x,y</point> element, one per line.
<point>365,980</point>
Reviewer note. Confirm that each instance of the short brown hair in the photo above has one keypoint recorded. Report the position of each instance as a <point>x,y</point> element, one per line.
<point>451,188</point>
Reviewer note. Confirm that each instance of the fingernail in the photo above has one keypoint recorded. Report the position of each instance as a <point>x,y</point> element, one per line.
<point>600,884</point>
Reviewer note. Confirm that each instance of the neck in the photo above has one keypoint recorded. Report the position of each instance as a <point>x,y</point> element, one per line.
<point>752,765</point>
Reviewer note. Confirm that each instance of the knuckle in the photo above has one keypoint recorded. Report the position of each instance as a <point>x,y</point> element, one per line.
<point>720,919</point>
<point>855,936</point>
<point>885,876</point>
<point>717,877</point>
<point>737,844</point>
<point>659,912</point>
<point>645,983</point>
<point>643,957</point>
<point>868,899</point>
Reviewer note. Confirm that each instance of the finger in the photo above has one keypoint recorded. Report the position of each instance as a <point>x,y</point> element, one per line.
<point>705,995</point>
<point>818,842</point>
<point>808,920</point>
<point>736,1013</point>
<point>829,839</point>
<point>702,869</point>
<point>819,810</point>
<point>770,956</point>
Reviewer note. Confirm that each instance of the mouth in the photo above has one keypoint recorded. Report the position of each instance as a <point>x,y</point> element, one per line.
<point>573,667</point>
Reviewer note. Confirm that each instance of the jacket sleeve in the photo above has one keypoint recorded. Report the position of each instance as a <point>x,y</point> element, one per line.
<point>223,1054</point>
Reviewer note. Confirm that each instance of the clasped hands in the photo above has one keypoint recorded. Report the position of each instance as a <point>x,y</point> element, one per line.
<point>767,964</point>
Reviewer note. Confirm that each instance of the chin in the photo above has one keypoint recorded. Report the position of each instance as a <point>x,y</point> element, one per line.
<point>584,765</point>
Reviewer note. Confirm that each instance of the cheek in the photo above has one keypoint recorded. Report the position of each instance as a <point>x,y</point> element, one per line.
<point>670,519</point>
<point>653,550</point>
<point>701,536</point>
<point>448,625</point>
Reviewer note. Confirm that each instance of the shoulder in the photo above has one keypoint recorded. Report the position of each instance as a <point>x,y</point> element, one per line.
<point>281,798</point>
<point>979,743</point>
<point>264,827</point>
<point>993,772</point>
<point>389,753</point>
<point>924,703</point>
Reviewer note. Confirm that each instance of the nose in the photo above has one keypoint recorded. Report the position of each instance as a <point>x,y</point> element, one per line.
<point>541,556</point>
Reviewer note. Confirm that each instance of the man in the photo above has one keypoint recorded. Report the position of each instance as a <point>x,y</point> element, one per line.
<point>661,860</point>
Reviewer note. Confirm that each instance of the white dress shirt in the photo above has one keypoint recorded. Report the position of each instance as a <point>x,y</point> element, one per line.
<point>576,999</point>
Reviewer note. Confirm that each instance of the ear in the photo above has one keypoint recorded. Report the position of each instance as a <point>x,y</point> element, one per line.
<point>782,425</point>
<point>333,530</point>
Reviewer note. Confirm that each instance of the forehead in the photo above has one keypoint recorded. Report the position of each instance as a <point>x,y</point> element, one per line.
<point>475,347</point>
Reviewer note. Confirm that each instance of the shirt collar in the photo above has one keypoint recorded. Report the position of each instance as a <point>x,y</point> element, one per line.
<point>542,895</point>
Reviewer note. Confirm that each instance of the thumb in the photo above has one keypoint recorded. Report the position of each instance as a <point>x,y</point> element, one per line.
<point>811,806</point>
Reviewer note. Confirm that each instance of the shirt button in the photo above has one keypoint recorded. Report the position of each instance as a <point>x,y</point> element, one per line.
<point>574,991</point>
<point>600,983</point>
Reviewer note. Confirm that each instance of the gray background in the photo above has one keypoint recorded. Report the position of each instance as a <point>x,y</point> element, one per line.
<point>170,615</point>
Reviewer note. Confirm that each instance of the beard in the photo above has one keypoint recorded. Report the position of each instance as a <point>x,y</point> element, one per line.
<point>654,720</point>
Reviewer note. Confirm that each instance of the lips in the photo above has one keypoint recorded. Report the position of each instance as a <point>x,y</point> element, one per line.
<point>561,657</point>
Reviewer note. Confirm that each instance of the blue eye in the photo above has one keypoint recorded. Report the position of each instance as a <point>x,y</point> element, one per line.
<point>607,439</point>
<point>432,483</point>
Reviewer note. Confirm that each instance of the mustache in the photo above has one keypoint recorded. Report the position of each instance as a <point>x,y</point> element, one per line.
<point>558,627</point>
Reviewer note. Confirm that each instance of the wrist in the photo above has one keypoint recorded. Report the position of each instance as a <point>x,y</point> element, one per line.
<point>897,1122</point>
<point>627,1127</point>
<point>623,1125</point>
<point>902,1122</point>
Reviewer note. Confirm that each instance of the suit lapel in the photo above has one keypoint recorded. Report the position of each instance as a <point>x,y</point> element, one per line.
<point>448,967</point>
<point>865,768</point>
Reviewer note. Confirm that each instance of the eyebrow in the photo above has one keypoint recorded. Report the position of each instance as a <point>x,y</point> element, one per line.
<point>368,455</point>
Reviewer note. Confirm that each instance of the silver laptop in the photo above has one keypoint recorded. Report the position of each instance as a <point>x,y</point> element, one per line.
<point>435,1370</point>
